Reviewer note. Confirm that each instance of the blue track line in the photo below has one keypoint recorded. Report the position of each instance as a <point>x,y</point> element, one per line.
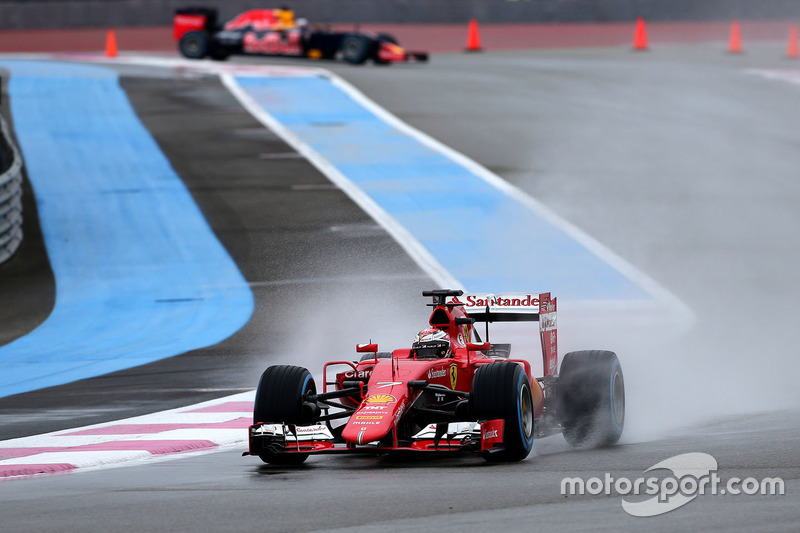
<point>486,239</point>
<point>140,276</point>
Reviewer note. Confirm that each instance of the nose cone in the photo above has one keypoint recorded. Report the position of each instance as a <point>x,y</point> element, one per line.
<point>372,421</point>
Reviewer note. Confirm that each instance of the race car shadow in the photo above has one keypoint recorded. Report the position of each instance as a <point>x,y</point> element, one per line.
<point>328,463</point>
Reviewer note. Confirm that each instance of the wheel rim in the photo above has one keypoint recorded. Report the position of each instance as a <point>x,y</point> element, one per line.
<point>526,411</point>
<point>192,46</point>
<point>352,48</point>
<point>618,399</point>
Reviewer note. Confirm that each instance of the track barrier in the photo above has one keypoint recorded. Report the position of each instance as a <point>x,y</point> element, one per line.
<point>10,194</point>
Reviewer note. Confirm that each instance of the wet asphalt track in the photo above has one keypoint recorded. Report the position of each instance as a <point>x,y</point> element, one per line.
<point>675,159</point>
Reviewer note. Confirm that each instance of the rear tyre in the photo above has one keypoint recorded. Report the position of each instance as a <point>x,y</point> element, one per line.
<point>280,400</point>
<point>591,398</point>
<point>502,390</point>
<point>194,44</point>
<point>355,49</point>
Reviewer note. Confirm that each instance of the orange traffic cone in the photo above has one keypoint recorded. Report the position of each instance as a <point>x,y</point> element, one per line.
<point>735,44</point>
<point>793,50</point>
<point>640,35</point>
<point>473,39</point>
<point>111,44</point>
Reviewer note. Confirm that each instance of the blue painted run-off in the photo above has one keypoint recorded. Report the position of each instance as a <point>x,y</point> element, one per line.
<point>484,238</point>
<point>139,274</point>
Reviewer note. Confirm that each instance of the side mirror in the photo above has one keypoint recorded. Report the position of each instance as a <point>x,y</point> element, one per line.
<point>479,346</point>
<point>366,348</point>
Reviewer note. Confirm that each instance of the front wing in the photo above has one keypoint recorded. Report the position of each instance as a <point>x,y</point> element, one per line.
<point>318,439</point>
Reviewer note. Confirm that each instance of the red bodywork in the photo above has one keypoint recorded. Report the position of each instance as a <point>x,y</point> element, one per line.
<point>379,412</point>
<point>274,32</point>
<point>183,23</point>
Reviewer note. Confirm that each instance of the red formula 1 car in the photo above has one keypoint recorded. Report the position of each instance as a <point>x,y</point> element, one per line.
<point>275,32</point>
<point>450,392</point>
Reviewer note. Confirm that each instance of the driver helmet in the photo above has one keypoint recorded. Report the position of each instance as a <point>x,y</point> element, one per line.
<point>431,343</point>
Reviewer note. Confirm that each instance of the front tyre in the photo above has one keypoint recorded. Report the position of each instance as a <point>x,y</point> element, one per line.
<point>591,398</point>
<point>355,49</point>
<point>194,44</point>
<point>502,390</point>
<point>281,399</point>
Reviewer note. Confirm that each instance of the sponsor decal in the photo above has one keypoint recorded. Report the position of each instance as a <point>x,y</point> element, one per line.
<point>272,43</point>
<point>369,417</point>
<point>453,376</point>
<point>399,414</point>
<point>368,423</point>
<point>384,384</point>
<point>548,322</point>
<point>491,434</point>
<point>375,408</point>
<point>308,430</point>
<point>437,373</point>
<point>380,399</point>
<point>460,342</point>
<point>465,327</point>
<point>361,374</point>
<point>267,429</point>
<point>518,300</point>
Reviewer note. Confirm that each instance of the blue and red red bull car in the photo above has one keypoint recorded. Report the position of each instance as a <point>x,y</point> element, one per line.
<point>450,392</point>
<point>276,32</point>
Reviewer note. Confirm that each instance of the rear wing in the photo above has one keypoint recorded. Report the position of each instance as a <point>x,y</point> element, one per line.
<point>193,19</point>
<point>517,307</point>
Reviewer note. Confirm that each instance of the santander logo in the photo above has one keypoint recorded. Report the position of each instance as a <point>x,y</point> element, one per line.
<point>433,374</point>
<point>519,300</point>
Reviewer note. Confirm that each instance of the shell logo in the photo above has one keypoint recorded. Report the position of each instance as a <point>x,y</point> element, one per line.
<point>381,398</point>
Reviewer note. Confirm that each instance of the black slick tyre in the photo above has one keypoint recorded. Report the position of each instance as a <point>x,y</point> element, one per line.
<point>355,49</point>
<point>591,398</point>
<point>194,44</point>
<point>502,390</point>
<point>280,400</point>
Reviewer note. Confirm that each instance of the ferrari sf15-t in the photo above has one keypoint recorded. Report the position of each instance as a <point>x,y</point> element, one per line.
<point>449,392</point>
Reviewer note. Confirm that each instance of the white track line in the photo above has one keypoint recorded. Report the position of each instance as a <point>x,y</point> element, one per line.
<point>404,238</point>
<point>674,307</point>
